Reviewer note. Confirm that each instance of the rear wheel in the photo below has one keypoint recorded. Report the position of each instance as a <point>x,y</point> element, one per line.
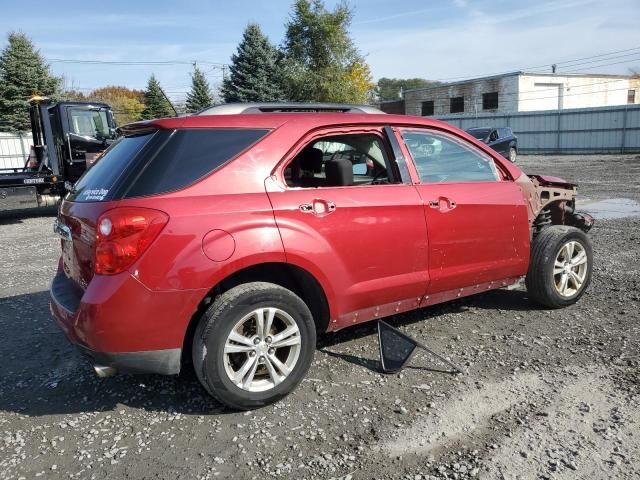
<point>513,154</point>
<point>253,345</point>
<point>560,266</point>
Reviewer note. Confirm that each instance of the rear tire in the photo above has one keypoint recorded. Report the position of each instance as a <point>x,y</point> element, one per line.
<point>254,345</point>
<point>560,266</point>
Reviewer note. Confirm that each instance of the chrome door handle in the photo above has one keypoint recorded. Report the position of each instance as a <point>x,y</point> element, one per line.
<point>318,207</point>
<point>443,204</point>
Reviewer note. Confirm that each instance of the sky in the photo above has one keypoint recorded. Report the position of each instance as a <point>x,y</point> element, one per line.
<point>439,40</point>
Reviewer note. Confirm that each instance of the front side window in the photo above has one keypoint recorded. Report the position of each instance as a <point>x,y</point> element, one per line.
<point>441,158</point>
<point>340,161</point>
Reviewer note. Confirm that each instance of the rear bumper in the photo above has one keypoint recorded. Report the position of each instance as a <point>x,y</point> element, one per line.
<point>120,323</point>
<point>164,362</point>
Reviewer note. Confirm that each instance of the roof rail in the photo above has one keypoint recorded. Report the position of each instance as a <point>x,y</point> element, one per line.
<point>288,107</point>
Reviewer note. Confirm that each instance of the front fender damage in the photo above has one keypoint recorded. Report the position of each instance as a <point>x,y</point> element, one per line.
<point>552,200</point>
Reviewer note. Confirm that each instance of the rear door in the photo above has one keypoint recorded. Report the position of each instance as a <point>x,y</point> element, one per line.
<point>476,216</point>
<point>363,232</point>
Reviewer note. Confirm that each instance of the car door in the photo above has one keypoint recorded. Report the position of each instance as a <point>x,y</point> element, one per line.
<point>476,216</point>
<point>365,238</point>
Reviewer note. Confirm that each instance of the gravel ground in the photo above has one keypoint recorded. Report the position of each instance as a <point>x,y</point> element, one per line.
<point>546,394</point>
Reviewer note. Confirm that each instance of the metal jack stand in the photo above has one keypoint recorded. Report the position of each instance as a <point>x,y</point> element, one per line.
<point>396,349</point>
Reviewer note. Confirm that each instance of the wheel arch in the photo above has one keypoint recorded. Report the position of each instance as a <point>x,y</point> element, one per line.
<point>288,275</point>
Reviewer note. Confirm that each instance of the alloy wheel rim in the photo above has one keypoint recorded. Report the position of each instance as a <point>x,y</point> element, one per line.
<point>512,155</point>
<point>570,268</point>
<point>262,349</point>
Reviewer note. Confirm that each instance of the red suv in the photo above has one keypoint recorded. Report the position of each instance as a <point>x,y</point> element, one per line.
<point>230,239</point>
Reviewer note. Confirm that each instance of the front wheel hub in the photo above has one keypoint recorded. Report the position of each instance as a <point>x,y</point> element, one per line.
<point>570,268</point>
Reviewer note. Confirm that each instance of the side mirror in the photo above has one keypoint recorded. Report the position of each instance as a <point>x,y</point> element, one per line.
<point>360,169</point>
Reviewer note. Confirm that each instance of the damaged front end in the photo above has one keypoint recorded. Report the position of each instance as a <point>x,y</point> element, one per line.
<point>551,201</point>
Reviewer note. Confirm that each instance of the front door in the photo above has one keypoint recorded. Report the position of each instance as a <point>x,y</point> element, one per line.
<point>346,217</point>
<point>476,216</point>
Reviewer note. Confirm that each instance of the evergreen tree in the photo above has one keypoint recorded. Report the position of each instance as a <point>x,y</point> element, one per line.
<point>254,72</point>
<point>200,95</point>
<point>156,104</point>
<point>321,61</point>
<point>23,72</point>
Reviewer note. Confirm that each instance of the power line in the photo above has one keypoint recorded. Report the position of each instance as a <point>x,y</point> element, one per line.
<point>607,64</point>
<point>135,62</point>
<point>546,65</point>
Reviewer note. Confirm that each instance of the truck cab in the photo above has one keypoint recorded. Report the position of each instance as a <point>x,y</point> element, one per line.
<point>68,138</point>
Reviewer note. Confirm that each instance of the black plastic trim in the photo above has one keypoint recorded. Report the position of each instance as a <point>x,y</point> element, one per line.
<point>397,153</point>
<point>65,292</point>
<point>163,362</point>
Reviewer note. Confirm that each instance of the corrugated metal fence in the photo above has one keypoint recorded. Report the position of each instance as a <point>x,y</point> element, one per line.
<point>14,149</point>
<point>580,130</point>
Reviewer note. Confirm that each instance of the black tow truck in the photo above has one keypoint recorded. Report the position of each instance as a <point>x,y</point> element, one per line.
<point>68,138</point>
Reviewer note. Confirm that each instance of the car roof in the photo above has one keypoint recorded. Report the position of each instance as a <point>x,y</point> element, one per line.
<point>286,107</point>
<point>276,120</point>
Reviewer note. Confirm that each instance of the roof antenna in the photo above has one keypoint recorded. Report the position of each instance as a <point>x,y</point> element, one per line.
<point>553,68</point>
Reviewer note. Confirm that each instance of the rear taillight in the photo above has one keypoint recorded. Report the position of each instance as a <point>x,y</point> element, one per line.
<point>123,234</point>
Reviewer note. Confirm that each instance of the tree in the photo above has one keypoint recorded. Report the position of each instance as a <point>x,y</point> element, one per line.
<point>156,104</point>
<point>254,71</point>
<point>23,72</point>
<point>127,104</point>
<point>321,62</point>
<point>390,88</point>
<point>200,95</point>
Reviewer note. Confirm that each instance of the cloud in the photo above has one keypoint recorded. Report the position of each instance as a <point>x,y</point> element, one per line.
<point>468,45</point>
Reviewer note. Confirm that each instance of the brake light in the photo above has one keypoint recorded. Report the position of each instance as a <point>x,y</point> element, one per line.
<point>123,234</point>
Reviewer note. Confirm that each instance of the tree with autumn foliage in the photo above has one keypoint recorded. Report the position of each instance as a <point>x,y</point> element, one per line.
<point>321,62</point>
<point>127,104</point>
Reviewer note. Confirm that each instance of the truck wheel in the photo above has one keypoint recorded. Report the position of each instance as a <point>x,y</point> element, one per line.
<point>253,345</point>
<point>560,266</point>
<point>513,154</point>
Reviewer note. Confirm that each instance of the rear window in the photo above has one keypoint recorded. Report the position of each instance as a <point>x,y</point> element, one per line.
<point>189,155</point>
<point>96,184</point>
<point>160,162</point>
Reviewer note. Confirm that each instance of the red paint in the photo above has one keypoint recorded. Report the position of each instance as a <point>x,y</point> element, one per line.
<point>218,245</point>
<point>382,250</point>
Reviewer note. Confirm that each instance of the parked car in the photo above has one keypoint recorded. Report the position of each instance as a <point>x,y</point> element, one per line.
<point>230,241</point>
<point>502,140</point>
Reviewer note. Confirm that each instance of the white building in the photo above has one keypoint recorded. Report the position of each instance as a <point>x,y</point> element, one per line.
<point>521,92</point>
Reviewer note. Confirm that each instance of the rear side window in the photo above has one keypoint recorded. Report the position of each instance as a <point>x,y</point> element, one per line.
<point>189,155</point>
<point>96,184</point>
